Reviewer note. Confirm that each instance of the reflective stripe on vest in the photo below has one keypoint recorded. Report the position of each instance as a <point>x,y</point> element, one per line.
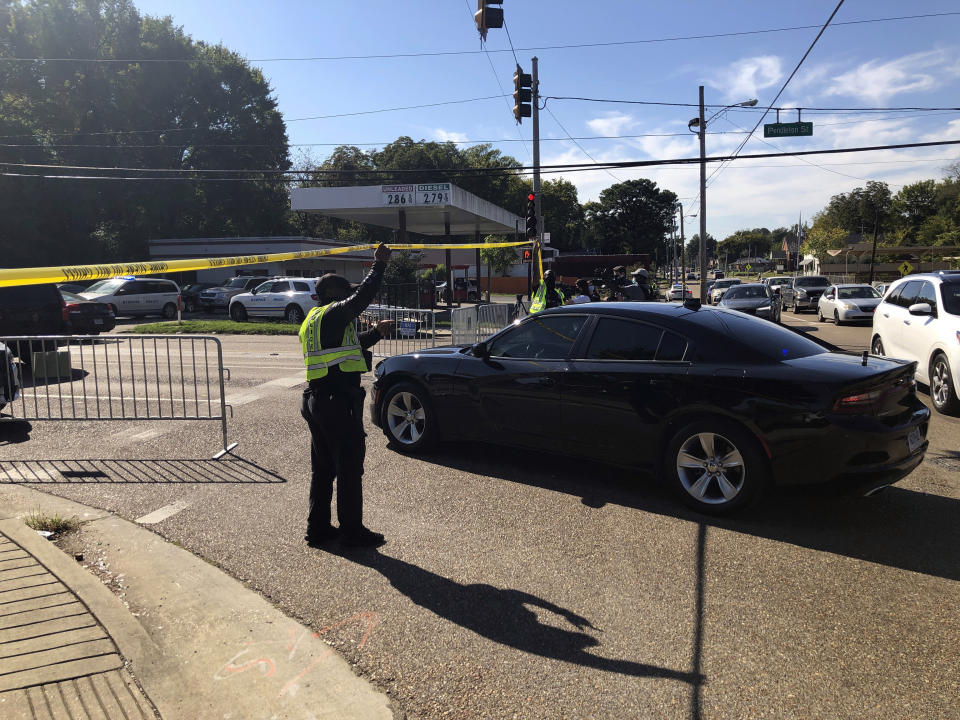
<point>317,361</point>
<point>540,298</point>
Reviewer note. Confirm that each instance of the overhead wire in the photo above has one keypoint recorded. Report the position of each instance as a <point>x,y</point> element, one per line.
<point>442,53</point>
<point>582,149</point>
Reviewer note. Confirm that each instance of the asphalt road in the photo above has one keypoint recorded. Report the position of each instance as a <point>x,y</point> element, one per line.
<point>527,585</point>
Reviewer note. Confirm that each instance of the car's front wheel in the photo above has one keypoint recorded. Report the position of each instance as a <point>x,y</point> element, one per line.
<point>238,313</point>
<point>820,317</point>
<point>836,318</point>
<point>293,314</point>
<point>876,347</point>
<point>716,466</point>
<point>943,391</point>
<point>189,306</point>
<point>407,418</point>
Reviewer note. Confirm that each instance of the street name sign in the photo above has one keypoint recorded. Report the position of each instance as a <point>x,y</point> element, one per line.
<point>797,129</point>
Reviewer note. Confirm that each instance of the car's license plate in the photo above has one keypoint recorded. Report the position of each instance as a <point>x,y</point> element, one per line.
<point>98,321</point>
<point>914,439</point>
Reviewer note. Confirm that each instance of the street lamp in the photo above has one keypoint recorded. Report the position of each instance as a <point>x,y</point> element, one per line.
<point>700,123</point>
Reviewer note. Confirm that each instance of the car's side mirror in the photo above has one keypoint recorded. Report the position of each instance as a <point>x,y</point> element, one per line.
<point>481,350</point>
<point>921,309</point>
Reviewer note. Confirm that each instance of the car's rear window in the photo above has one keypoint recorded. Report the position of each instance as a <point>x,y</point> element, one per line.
<point>951,296</point>
<point>764,339</point>
<point>812,282</point>
<point>29,296</point>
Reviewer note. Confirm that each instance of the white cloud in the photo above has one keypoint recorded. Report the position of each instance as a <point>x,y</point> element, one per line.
<point>744,79</point>
<point>448,135</point>
<point>611,124</point>
<point>877,81</point>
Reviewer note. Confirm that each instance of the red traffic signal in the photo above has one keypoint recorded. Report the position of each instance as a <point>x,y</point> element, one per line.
<point>527,255</point>
<point>531,219</point>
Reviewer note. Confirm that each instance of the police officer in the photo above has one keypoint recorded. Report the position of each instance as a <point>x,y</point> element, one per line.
<point>335,356</point>
<point>547,295</point>
<point>639,290</point>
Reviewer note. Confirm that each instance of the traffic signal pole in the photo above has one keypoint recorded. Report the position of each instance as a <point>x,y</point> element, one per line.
<point>535,116</point>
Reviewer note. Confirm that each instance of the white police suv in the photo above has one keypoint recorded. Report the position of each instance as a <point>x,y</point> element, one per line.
<point>287,298</point>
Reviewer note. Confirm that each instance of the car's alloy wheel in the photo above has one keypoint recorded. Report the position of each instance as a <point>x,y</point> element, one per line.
<point>191,306</point>
<point>238,313</point>
<point>169,311</point>
<point>943,393</point>
<point>408,420</point>
<point>294,314</point>
<point>717,466</point>
<point>876,348</point>
<point>820,317</point>
<point>836,318</point>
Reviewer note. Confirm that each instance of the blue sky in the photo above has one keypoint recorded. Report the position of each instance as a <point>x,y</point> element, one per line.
<point>902,63</point>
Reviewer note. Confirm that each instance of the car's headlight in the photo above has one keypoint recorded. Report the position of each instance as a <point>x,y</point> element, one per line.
<point>849,306</point>
<point>801,293</point>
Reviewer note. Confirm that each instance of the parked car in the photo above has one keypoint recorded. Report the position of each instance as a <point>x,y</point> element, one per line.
<point>753,299</point>
<point>87,317</point>
<point>804,292</point>
<point>881,288</point>
<point>218,298</point>
<point>719,404</point>
<point>135,297</point>
<point>678,292</point>
<point>464,289</point>
<point>190,295</point>
<point>919,320</point>
<point>720,287</point>
<point>847,303</point>
<point>9,377</point>
<point>289,298</point>
<point>778,282</point>
<point>32,310</point>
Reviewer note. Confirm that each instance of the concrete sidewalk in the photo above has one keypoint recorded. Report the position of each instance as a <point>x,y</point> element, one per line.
<point>200,644</point>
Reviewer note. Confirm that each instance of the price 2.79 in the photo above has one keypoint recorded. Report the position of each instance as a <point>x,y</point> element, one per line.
<point>435,198</point>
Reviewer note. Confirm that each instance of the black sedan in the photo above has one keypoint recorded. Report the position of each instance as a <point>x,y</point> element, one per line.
<point>718,404</point>
<point>190,295</point>
<point>87,317</point>
<point>753,299</point>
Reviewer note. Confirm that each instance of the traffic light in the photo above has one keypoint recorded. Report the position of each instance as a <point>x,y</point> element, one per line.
<point>522,94</point>
<point>531,215</point>
<point>488,17</point>
<point>527,255</point>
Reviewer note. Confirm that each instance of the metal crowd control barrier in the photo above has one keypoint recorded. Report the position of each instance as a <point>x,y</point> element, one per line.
<point>472,324</point>
<point>118,377</point>
<point>413,330</point>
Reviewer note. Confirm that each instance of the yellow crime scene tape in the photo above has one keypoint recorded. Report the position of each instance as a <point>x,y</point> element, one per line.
<point>71,273</point>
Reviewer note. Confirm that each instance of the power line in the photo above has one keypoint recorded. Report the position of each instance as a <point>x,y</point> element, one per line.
<point>582,149</point>
<point>560,167</point>
<point>751,109</point>
<point>570,46</point>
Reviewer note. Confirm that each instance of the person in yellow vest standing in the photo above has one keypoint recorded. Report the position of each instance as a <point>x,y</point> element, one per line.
<point>548,295</point>
<point>335,356</point>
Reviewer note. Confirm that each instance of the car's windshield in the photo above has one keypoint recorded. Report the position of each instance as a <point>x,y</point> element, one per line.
<point>106,287</point>
<point>726,283</point>
<point>849,293</point>
<point>951,296</point>
<point>740,293</point>
<point>812,282</point>
<point>778,280</point>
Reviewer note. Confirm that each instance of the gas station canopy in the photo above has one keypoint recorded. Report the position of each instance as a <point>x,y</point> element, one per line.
<point>423,208</point>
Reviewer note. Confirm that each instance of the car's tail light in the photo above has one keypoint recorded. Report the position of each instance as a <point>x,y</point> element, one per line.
<point>64,310</point>
<point>314,297</point>
<point>857,403</point>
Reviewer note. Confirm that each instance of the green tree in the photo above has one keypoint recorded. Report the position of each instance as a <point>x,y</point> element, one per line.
<point>693,249</point>
<point>499,259</point>
<point>823,236</point>
<point>633,216</point>
<point>913,205</point>
<point>563,214</point>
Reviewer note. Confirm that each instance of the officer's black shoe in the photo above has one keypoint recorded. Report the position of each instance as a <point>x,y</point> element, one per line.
<point>362,538</point>
<point>319,537</point>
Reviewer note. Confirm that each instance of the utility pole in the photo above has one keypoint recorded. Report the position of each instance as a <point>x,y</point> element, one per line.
<point>702,128</point>
<point>683,257</point>
<point>535,116</point>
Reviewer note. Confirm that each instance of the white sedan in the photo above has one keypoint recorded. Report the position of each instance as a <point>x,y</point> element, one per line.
<point>847,303</point>
<point>678,292</point>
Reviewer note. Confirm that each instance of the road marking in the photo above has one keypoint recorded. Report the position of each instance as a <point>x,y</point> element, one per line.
<point>289,381</point>
<point>131,436</point>
<point>163,513</point>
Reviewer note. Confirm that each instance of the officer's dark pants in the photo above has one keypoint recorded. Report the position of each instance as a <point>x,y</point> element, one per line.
<point>337,449</point>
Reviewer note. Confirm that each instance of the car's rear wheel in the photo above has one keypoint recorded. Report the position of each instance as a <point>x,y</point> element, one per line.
<point>796,308</point>
<point>876,347</point>
<point>169,311</point>
<point>717,467</point>
<point>293,314</point>
<point>407,418</point>
<point>238,313</point>
<point>943,392</point>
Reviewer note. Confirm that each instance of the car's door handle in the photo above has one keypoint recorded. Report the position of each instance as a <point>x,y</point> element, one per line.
<point>542,381</point>
<point>547,382</point>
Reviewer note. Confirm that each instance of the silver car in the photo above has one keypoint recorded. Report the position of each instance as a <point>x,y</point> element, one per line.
<point>847,303</point>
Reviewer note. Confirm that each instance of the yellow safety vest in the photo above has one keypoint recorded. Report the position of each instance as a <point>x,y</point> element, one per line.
<point>349,356</point>
<point>540,298</point>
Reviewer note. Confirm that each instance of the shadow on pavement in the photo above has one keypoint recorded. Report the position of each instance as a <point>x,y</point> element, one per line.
<point>501,615</point>
<point>14,432</point>
<point>235,470</point>
<point>898,527</point>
